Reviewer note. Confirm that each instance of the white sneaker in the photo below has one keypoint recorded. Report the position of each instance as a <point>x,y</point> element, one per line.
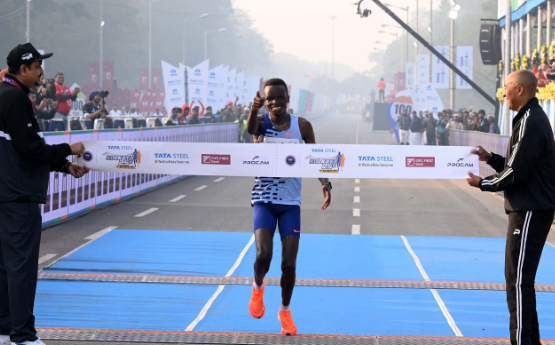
<point>36,342</point>
<point>5,340</point>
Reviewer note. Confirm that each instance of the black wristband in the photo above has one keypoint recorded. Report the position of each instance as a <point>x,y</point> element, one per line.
<point>328,185</point>
<point>66,166</point>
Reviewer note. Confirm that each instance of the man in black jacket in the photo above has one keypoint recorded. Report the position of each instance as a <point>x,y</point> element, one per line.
<point>24,172</point>
<point>527,177</point>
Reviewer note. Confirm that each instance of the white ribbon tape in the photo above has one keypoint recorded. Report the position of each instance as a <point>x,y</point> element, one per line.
<point>281,160</point>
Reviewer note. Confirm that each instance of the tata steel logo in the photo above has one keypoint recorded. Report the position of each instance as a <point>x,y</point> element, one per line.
<point>460,164</point>
<point>420,162</point>
<point>197,91</point>
<point>228,79</point>
<point>174,91</point>
<point>216,159</point>
<point>173,73</point>
<point>198,72</point>
<point>212,75</point>
<point>244,83</point>
<point>429,88</point>
<point>211,93</point>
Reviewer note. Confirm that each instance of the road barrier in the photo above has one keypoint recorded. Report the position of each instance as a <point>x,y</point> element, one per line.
<point>490,142</point>
<point>69,197</point>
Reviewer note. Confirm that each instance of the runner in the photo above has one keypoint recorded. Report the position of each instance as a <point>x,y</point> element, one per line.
<point>278,200</point>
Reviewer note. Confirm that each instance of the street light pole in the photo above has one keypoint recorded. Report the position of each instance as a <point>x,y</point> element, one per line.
<point>333,18</point>
<point>101,62</point>
<point>28,26</point>
<point>149,44</point>
<point>184,26</point>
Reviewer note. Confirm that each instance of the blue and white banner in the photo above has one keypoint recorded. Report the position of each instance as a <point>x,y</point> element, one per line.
<point>410,75</point>
<point>423,69</point>
<point>174,85</point>
<point>213,88</point>
<point>465,63</point>
<point>197,82</point>
<point>306,161</point>
<point>440,71</point>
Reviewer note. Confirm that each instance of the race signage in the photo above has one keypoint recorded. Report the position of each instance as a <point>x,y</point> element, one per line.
<point>277,160</point>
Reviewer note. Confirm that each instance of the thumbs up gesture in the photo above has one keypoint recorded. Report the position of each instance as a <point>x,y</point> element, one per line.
<point>258,101</point>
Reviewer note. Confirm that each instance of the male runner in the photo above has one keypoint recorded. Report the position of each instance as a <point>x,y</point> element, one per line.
<point>278,200</point>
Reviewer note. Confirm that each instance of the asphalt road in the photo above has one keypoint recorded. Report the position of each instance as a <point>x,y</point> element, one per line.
<point>371,207</point>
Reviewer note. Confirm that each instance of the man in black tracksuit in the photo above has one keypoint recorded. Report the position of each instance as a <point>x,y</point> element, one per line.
<point>527,177</point>
<point>26,162</point>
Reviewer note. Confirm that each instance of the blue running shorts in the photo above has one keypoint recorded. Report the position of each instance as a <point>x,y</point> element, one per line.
<point>287,217</point>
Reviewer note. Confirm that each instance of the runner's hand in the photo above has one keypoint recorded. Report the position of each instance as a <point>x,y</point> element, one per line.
<point>473,180</point>
<point>327,197</point>
<point>258,101</point>
<point>482,153</point>
<point>77,171</point>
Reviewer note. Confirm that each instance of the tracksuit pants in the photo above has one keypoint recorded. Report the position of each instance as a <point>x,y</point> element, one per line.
<point>20,232</point>
<point>526,237</point>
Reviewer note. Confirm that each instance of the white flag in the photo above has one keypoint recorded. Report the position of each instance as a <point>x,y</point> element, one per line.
<point>440,71</point>
<point>465,63</point>
<point>423,69</point>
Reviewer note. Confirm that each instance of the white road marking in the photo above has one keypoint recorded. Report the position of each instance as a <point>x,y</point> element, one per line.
<point>356,212</point>
<point>201,188</point>
<point>178,198</point>
<point>357,199</point>
<point>355,229</point>
<point>204,310</point>
<point>219,179</point>
<point>84,244</point>
<point>46,258</point>
<point>149,211</point>
<point>438,299</point>
<point>357,180</point>
<point>100,233</point>
<point>357,189</point>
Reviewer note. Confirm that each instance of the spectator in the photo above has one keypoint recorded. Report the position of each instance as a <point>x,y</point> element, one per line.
<point>443,133</point>
<point>484,123</point>
<point>157,113</point>
<point>209,115</point>
<point>175,118</point>
<point>42,109</point>
<point>430,126</point>
<point>404,127</point>
<point>125,111</point>
<point>64,97</point>
<point>201,113</point>
<point>193,118</point>
<point>455,123</point>
<point>416,127</point>
<point>542,79</point>
<point>184,113</point>
<point>228,115</point>
<point>94,109</point>
<point>493,127</point>
<point>133,112</point>
<point>381,91</point>
<point>466,121</point>
<point>115,111</point>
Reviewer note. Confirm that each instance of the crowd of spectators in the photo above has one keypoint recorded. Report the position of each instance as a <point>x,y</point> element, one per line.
<point>424,129</point>
<point>544,72</point>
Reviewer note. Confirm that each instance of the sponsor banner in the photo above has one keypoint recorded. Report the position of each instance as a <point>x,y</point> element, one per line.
<point>335,161</point>
<point>410,75</point>
<point>94,74</point>
<point>156,79</point>
<point>465,63</point>
<point>174,85</point>
<point>230,86</point>
<point>77,105</point>
<point>213,88</point>
<point>144,79</point>
<point>197,82</point>
<point>440,71</point>
<point>57,196</point>
<point>239,79</point>
<point>423,69</point>
<point>426,97</point>
<point>222,94</point>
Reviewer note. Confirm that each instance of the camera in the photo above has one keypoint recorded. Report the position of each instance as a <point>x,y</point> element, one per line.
<point>104,93</point>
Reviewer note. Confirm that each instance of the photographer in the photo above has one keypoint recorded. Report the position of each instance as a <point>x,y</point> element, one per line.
<point>42,109</point>
<point>94,109</point>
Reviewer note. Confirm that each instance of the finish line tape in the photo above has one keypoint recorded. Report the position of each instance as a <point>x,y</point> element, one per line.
<point>281,160</point>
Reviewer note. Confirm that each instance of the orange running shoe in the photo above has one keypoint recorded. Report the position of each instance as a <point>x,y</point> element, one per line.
<point>256,306</point>
<point>287,325</point>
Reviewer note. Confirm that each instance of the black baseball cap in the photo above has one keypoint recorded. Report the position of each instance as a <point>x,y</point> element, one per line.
<point>24,53</point>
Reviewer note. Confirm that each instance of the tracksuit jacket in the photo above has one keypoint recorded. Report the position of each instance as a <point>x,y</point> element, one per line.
<point>26,159</point>
<point>527,173</point>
